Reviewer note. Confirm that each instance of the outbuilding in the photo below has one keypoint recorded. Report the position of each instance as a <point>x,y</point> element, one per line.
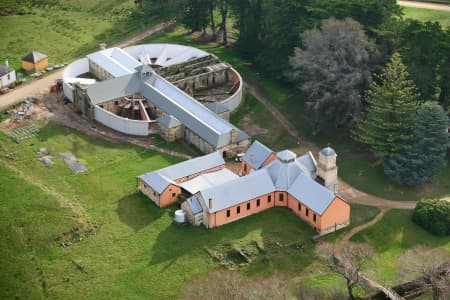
<point>35,62</point>
<point>7,75</point>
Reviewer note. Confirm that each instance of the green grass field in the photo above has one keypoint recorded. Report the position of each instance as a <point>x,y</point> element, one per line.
<point>65,30</point>
<point>137,251</point>
<point>425,15</point>
<point>394,234</point>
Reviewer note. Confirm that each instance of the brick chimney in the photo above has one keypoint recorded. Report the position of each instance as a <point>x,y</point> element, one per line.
<point>210,203</point>
<point>6,63</point>
<point>233,136</point>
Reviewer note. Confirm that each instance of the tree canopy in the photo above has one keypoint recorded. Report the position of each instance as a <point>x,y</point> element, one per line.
<point>333,69</point>
<point>391,107</point>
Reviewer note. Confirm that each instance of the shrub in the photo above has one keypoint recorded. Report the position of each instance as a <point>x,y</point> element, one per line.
<point>433,216</point>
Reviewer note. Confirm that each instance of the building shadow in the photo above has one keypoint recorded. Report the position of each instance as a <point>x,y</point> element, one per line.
<point>137,212</point>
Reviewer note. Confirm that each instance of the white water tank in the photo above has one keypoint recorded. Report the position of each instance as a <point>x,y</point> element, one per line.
<point>180,216</point>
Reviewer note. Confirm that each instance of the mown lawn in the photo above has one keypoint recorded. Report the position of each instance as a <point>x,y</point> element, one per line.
<point>393,235</point>
<point>137,252</point>
<point>356,165</point>
<point>65,30</point>
<point>424,15</point>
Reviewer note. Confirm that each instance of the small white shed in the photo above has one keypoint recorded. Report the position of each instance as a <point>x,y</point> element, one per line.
<point>7,75</point>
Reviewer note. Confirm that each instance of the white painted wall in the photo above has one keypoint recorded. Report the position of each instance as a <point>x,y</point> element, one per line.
<point>124,125</point>
<point>5,81</point>
<point>73,70</point>
<point>234,100</point>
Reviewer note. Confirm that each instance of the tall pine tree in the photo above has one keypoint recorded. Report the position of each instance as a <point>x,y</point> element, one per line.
<point>428,153</point>
<point>391,108</point>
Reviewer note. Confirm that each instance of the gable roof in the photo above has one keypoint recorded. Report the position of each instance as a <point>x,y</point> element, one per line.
<point>168,121</point>
<point>159,180</point>
<point>309,162</point>
<point>237,191</point>
<point>5,70</point>
<point>34,57</point>
<point>256,155</point>
<point>208,180</point>
<point>311,193</point>
<point>216,107</point>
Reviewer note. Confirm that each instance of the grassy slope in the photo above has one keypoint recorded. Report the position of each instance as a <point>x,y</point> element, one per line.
<point>356,166</point>
<point>425,15</point>
<point>65,30</point>
<point>137,252</point>
<point>394,234</point>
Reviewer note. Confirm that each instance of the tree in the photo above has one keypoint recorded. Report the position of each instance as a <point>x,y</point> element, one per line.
<point>333,69</point>
<point>433,216</point>
<point>429,148</point>
<point>249,14</point>
<point>347,261</point>
<point>391,108</point>
<point>223,7</point>
<point>431,265</point>
<point>422,46</point>
<point>196,14</point>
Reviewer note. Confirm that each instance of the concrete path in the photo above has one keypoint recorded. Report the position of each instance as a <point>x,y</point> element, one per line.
<point>40,86</point>
<point>427,5</point>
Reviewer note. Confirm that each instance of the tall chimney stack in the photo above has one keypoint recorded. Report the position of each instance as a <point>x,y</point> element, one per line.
<point>6,63</point>
<point>210,203</point>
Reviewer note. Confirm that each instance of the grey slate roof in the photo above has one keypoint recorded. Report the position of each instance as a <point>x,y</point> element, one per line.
<point>194,205</point>
<point>256,155</point>
<point>5,70</point>
<point>34,57</point>
<point>216,107</point>
<point>311,193</point>
<point>168,121</point>
<point>208,180</point>
<point>328,151</point>
<point>237,191</point>
<point>159,180</point>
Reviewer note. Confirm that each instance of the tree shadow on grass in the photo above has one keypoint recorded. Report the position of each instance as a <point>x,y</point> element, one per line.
<point>137,211</point>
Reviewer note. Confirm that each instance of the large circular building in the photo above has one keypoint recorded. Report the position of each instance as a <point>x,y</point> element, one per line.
<point>177,91</point>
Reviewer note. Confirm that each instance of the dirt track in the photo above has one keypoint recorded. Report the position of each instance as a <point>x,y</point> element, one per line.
<point>40,86</point>
<point>418,4</point>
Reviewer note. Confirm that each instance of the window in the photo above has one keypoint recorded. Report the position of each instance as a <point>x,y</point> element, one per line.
<point>269,198</point>
<point>238,210</point>
<point>173,194</point>
<point>314,218</point>
<point>307,212</point>
<point>299,207</point>
<point>9,76</point>
<point>245,168</point>
<point>258,202</point>
<point>248,206</point>
<point>154,193</point>
<point>228,213</point>
<point>281,197</point>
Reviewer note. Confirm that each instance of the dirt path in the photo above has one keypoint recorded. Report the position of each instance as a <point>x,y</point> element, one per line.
<point>418,4</point>
<point>41,86</point>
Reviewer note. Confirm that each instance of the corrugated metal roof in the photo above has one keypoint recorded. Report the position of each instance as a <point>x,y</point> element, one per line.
<point>311,193</point>
<point>286,156</point>
<point>256,155</point>
<point>190,112</point>
<point>216,107</point>
<point>168,121</point>
<point>309,162</point>
<point>157,181</point>
<point>284,174</point>
<point>160,179</point>
<point>208,180</point>
<point>34,57</point>
<point>115,61</point>
<point>114,88</point>
<point>125,59</point>
<point>194,205</point>
<point>237,191</point>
